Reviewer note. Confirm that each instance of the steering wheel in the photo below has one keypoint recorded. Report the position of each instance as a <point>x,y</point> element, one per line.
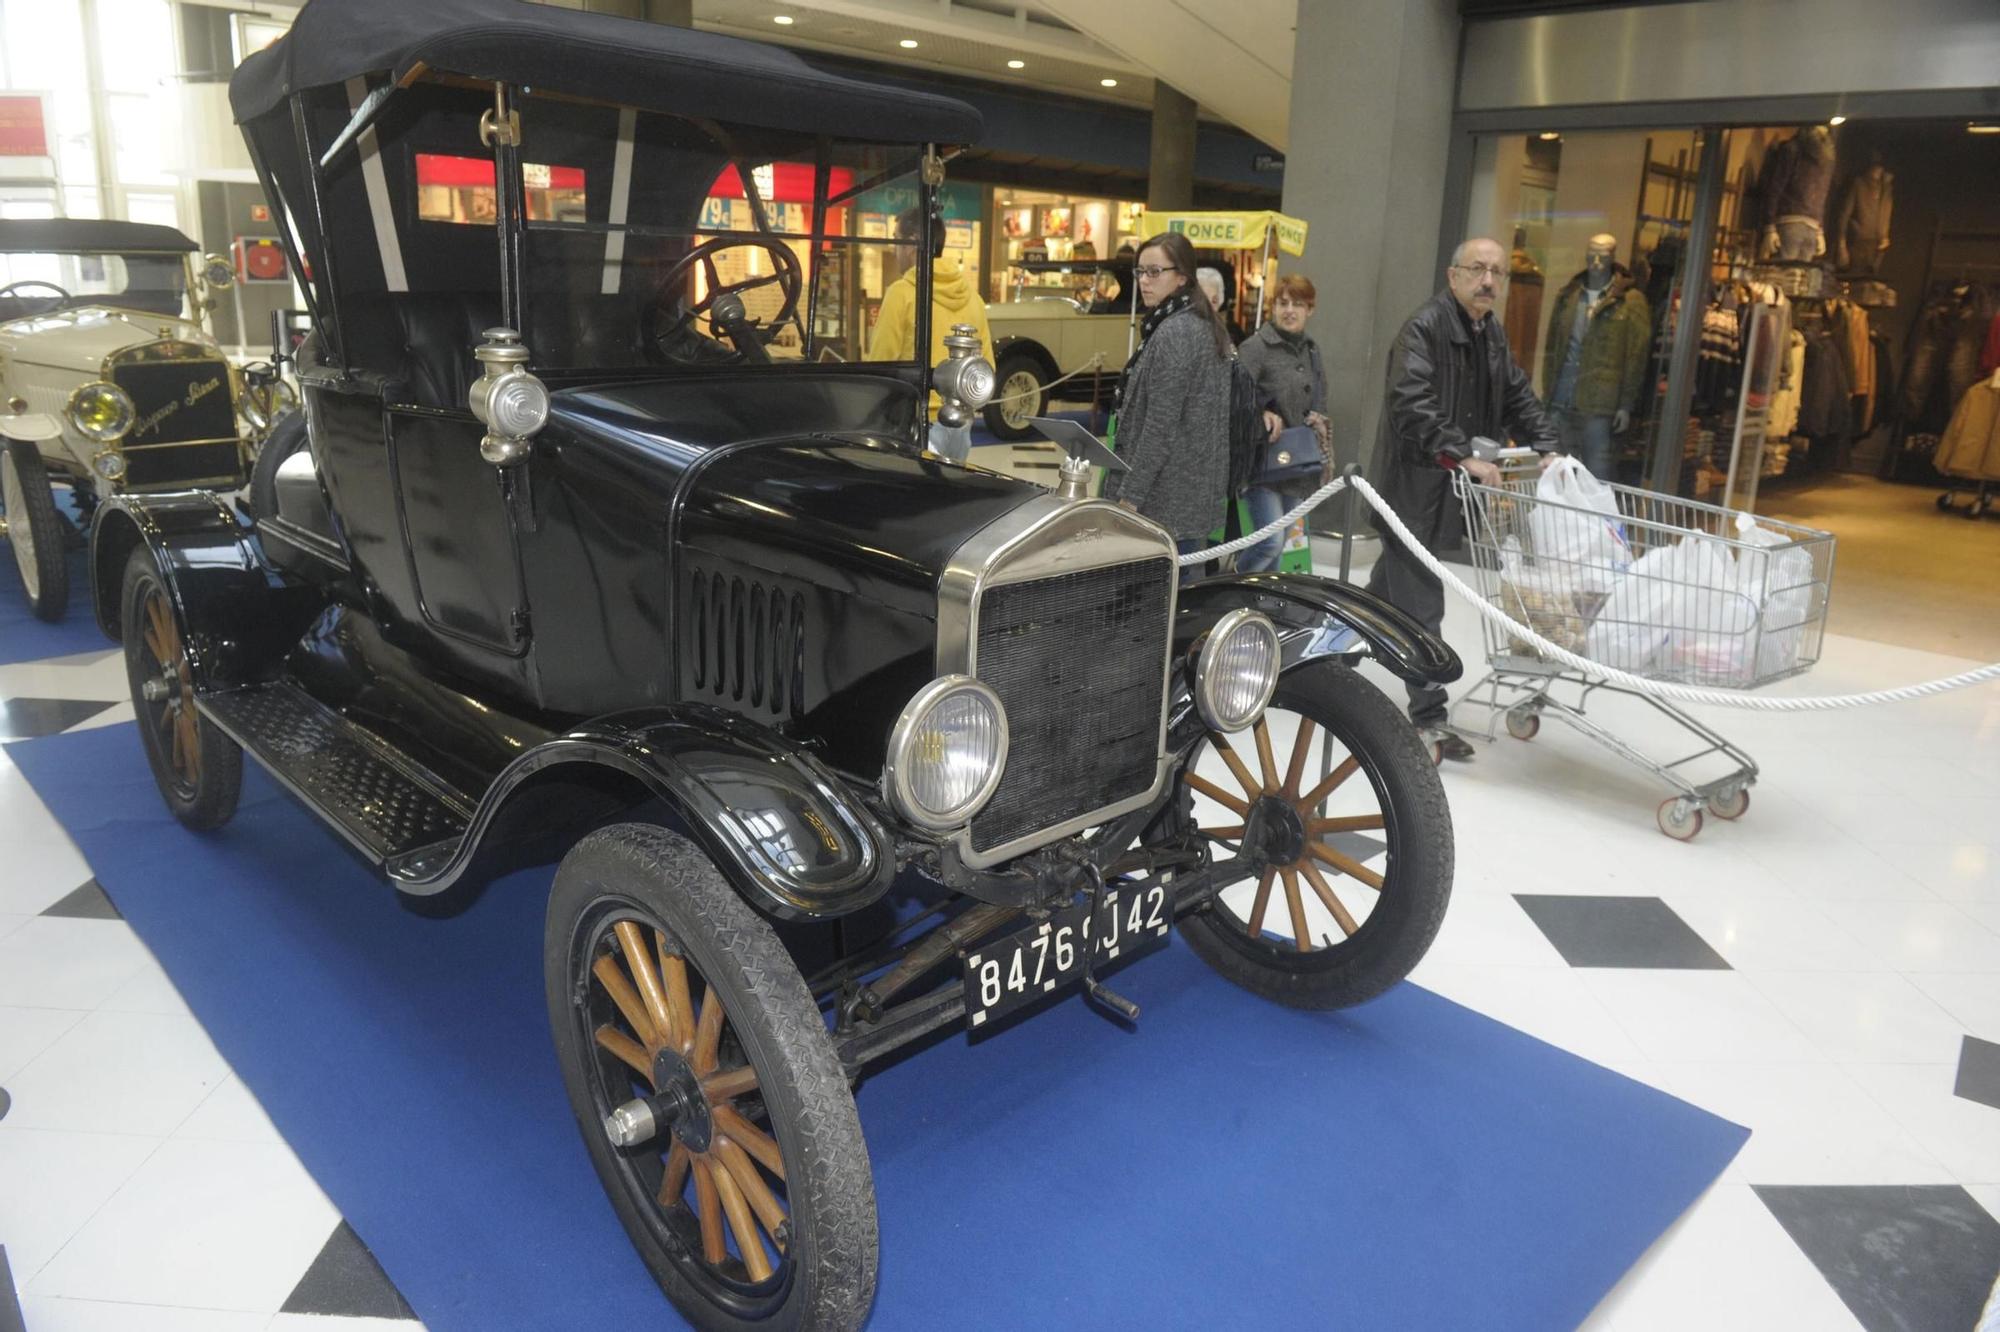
<point>669,331</point>
<point>13,288</point>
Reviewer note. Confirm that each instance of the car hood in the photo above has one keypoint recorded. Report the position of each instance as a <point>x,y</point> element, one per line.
<point>80,339</point>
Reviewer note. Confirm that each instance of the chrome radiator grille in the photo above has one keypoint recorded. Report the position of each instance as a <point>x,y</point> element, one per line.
<point>1079,661</point>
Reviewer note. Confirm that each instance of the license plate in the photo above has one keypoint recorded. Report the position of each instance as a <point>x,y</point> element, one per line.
<point>1013,972</point>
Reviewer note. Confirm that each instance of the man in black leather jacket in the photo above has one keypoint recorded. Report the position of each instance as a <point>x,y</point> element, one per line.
<point>1451,379</point>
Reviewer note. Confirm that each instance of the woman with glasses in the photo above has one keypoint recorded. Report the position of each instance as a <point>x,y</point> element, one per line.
<point>1171,424</point>
<point>1291,388</point>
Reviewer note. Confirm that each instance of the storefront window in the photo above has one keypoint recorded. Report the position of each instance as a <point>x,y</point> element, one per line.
<point>1597,226</point>
<point>1047,245</point>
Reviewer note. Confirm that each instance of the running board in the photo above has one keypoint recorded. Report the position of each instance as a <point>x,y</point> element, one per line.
<point>377,798</point>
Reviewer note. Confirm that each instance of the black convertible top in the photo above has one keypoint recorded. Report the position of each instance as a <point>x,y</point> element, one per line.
<point>648,65</point>
<point>87,235</point>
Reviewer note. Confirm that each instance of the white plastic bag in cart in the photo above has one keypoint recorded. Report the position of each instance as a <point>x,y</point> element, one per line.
<point>1677,611</point>
<point>1780,583</point>
<point>1576,529</point>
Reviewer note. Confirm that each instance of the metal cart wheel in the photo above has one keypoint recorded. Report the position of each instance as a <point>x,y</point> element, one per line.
<point>1678,819</point>
<point>1978,507</point>
<point>1523,723</point>
<point>1944,502</point>
<point>1734,805</point>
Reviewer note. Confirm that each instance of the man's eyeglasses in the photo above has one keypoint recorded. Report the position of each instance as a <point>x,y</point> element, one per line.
<point>1476,271</point>
<point>1153,270</point>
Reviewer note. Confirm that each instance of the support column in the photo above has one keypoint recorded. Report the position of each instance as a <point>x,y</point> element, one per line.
<point>1170,174</point>
<point>1372,91</point>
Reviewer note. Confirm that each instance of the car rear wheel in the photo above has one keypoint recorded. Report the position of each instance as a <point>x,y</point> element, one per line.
<point>34,529</point>
<point>1344,837</point>
<point>710,1099</point>
<point>1021,394</point>
<point>287,437</point>
<point>198,769</point>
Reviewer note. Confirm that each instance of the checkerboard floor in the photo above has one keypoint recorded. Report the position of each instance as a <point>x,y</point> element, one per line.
<point>1826,971</point>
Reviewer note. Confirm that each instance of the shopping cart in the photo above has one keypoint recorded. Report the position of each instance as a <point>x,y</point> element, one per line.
<point>1653,585</point>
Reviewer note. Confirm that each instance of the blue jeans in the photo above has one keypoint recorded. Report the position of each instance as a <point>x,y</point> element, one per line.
<point>1266,505</point>
<point>1587,438</point>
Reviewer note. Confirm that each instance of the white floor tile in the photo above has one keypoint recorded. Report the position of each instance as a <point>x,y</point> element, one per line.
<point>150,991</point>
<point>320,1323</point>
<point>207,1225</point>
<point>1761,934</point>
<point>1809,1124</point>
<point>230,1114</point>
<point>1726,1266</point>
<point>1699,1016</point>
<point>47,1314</point>
<point>111,716</point>
<point>1835,868</point>
<point>1920,936</point>
<point>42,869</point>
<point>10,922</point>
<point>1964,1135</point>
<point>1971,998</point>
<point>1492,928</point>
<point>118,1073</point>
<point>90,675</point>
<point>65,962</point>
<point>26,1032</point>
<point>54,1183</point>
<point>1857,1019</point>
<point>1988,1196</point>
<point>1549,1003</point>
<point>1958,870</point>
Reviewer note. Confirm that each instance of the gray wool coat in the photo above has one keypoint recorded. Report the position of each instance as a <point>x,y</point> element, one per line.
<point>1173,430</point>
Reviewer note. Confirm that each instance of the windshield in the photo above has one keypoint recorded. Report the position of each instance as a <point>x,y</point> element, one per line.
<point>48,282</point>
<point>654,240</point>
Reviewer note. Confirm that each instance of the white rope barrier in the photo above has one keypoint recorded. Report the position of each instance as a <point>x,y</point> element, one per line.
<point>1722,698</point>
<point>1096,360</point>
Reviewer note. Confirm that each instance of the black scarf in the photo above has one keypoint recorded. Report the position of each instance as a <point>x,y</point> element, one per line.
<point>1148,325</point>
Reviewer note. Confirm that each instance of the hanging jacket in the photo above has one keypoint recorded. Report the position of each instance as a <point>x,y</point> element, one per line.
<point>1861,223</point>
<point>1797,176</point>
<point>1824,400</point>
<point>1615,341</point>
<point>1970,447</point>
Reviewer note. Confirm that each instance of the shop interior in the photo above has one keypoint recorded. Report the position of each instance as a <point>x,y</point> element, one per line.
<point>1849,301</point>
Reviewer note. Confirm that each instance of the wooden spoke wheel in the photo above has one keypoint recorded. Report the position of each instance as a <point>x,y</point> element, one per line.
<point>198,769</point>
<point>707,1090</point>
<point>33,528</point>
<point>1333,811</point>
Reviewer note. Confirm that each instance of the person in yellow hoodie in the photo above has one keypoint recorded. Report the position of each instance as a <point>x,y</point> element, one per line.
<point>953,301</point>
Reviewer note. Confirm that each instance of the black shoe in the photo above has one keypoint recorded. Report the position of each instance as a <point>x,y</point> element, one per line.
<point>1453,747</point>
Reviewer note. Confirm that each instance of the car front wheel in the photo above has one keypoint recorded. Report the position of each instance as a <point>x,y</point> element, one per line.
<point>710,1099</point>
<point>1336,817</point>
<point>1021,394</point>
<point>198,769</point>
<point>33,529</point>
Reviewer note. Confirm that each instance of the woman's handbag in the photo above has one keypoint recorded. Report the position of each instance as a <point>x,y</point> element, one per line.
<point>1293,456</point>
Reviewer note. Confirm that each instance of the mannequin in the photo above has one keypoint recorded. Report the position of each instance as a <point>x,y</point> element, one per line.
<point>1797,176</point>
<point>1599,336</point>
<point>1861,224</point>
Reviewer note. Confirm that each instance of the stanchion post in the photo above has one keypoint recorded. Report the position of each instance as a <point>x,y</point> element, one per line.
<point>1350,498</point>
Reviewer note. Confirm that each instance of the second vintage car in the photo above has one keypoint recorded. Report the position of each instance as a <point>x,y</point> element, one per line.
<point>109,383</point>
<point>604,544</point>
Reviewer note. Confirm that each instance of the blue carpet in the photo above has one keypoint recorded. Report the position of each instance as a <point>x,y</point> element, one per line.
<point>25,638</point>
<point>1231,1164</point>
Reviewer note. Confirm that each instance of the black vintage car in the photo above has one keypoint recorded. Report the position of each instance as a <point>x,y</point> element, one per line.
<point>603,543</point>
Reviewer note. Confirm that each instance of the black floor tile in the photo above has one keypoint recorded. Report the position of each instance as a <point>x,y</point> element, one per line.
<point>346,1281</point>
<point>86,903</point>
<point>1902,1257</point>
<point>28,718</point>
<point>1619,932</point>
<point>10,1304</point>
<point>1979,1072</point>
<point>6,1103</point>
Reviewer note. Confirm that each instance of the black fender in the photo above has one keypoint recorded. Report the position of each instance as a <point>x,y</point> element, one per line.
<point>238,616</point>
<point>1319,617</point>
<point>791,836</point>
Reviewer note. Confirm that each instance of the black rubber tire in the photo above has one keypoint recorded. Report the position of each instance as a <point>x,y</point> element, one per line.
<point>210,801</point>
<point>1015,363</point>
<point>1417,887</point>
<point>46,567</point>
<point>830,1272</point>
<point>287,437</point>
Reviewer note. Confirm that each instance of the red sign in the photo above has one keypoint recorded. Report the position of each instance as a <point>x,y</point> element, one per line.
<point>23,129</point>
<point>787,182</point>
<point>477,172</point>
<point>259,259</point>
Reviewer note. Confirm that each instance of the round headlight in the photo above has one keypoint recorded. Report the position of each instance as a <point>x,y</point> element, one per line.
<point>1236,671</point>
<point>101,411</point>
<point>947,752</point>
<point>518,405</point>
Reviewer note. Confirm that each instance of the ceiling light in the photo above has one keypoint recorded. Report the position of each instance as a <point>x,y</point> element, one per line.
<point>1975,127</point>
<point>782,20</point>
<point>1838,120</point>
<point>908,43</point>
<point>1109,83</point>
<point>1549,135</point>
<point>1017,64</point>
